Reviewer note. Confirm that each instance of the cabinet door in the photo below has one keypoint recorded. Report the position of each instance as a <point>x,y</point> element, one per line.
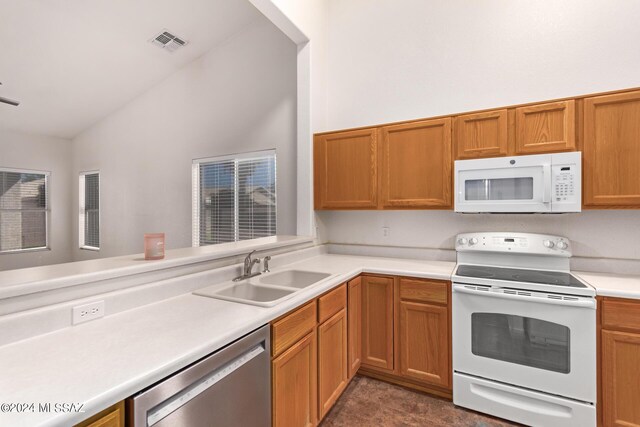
<point>354,314</point>
<point>424,343</point>
<point>481,135</point>
<point>612,150</point>
<point>345,170</point>
<point>332,360</point>
<point>110,417</point>
<point>377,322</point>
<point>620,379</point>
<point>546,128</point>
<point>416,165</point>
<point>294,385</point>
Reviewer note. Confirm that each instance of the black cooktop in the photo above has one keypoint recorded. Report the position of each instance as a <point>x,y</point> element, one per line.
<point>519,275</point>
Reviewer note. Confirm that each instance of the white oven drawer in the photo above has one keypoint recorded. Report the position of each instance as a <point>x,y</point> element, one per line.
<point>520,405</point>
<point>529,342</point>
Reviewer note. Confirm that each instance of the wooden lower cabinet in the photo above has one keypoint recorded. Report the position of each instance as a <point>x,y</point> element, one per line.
<point>406,332</point>
<point>354,330</point>
<point>393,328</point>
<point>621,378</point>
<point>377,322</point>
<point>332,361</point>
<point>620,362</point>
<point>110,417</point>
<point>424,343</point>
<point>294,388</point>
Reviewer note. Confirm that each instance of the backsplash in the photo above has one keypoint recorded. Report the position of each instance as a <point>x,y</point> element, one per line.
<point>602,240</point>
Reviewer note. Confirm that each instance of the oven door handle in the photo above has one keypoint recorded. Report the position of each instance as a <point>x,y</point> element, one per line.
<point>583,303</point>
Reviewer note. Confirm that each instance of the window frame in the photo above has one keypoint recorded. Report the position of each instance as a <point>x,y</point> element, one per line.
<point>195,190</point>
<point>82,209</point>
<point>47,210</point>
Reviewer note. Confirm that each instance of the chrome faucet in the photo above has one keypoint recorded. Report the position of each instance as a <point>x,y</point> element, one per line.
<point>248,266</point>
<point>266,264</point>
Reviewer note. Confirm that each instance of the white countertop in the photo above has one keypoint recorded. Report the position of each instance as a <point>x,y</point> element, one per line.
<point>104,361</point>
<point>612,285</point>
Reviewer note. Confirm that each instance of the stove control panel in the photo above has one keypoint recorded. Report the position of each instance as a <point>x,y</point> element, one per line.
<point>525,243</point>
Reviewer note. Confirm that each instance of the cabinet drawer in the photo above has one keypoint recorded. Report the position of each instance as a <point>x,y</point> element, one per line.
<point>433,291</point>
<point>617,314</point>
<point>292,327</point>
<point>331,303</point>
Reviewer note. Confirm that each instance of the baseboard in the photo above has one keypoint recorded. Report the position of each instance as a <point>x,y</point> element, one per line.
<point>404,382</point>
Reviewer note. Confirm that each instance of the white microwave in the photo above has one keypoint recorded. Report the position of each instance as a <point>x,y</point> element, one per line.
<point>542,183</point>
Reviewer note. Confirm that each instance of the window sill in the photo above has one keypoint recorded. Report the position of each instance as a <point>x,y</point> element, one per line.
<point>89,248</point>
<point>24,251</point>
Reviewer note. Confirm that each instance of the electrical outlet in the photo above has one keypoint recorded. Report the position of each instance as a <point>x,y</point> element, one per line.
<point>386,231</point>
<point>86,312</point>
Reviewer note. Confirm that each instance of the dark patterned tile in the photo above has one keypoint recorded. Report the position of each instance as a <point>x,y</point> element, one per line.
<point>368,402</point>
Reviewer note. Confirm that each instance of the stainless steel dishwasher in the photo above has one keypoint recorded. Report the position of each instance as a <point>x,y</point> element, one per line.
<point>231,387</point>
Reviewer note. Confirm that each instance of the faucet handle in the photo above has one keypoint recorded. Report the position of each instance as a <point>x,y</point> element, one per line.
<point>266,264</point>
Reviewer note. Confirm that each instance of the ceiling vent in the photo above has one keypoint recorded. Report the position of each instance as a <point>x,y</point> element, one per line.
<point>168,41</point>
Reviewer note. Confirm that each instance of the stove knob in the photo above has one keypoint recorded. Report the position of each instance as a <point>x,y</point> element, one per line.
<point>462,241</point>
<point>548,244</point>
<point>473,241</point>
<point>562,245</point>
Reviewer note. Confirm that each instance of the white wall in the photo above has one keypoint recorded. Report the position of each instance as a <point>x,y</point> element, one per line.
<point>390,60</point>
<point>240,96</point>
<point>22,151</point>
<point>305,22</point>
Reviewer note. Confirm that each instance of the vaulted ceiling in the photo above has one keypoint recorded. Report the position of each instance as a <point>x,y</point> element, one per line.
<point>71,63</point>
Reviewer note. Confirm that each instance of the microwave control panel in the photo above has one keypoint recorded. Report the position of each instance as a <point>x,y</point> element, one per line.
<point>564,183</point>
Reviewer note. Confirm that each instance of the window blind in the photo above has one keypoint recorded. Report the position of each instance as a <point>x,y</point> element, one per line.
<point>234,198</point>
<point>24,210</point>
<point>89,218</point>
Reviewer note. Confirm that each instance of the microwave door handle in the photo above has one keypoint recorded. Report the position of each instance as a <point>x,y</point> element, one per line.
<point>546,183</point>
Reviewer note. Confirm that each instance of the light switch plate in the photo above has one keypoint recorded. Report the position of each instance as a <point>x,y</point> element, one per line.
<point>84,313</point>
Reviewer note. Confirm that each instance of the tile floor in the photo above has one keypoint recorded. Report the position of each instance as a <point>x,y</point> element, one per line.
<point>369,402</point>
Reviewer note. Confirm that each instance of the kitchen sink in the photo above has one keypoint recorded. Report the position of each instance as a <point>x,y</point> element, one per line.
<point>266,290</point>
<point>249,293</point>
<point>293,278</point>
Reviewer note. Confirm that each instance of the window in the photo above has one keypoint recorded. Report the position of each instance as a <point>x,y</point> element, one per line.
<point>24,210</point>
<point>234,198</point>
<point>89,218</point>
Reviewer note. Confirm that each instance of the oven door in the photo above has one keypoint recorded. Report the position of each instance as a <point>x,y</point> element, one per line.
<point>529,341</point>
<point>498,185</point>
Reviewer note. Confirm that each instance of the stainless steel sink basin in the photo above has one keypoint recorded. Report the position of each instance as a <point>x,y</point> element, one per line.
<point>249,293</point>
<point>266,290</point>
<point>293,278</point>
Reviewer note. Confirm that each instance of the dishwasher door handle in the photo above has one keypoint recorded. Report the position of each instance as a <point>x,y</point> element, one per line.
<point>194,390</point>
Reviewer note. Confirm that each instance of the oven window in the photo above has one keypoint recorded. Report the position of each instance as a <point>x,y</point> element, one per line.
<point>522,340</point>
<point>499,189</point>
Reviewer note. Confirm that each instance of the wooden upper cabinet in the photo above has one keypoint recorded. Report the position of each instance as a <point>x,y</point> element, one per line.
<point>546,128</point>
<point>481,135</point>
<point>345,170</point>
<point>416,165</point>
<point>377,322</point>
<point>612,150</point>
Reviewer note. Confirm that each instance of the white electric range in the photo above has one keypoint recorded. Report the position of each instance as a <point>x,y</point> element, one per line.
<point>524,330</point>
